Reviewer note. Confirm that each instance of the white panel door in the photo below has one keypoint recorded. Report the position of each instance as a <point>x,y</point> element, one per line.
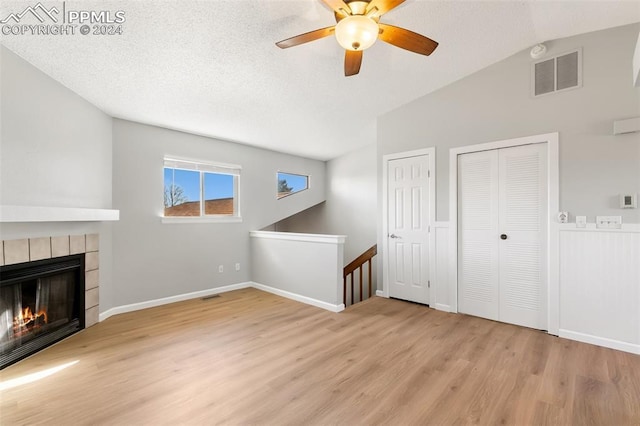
<point>523,222</point>
<point>502,223</point>
<point>408,239</point>
<point>478,267</point>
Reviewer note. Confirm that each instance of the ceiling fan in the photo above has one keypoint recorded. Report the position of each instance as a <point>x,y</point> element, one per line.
<point>358,27</point>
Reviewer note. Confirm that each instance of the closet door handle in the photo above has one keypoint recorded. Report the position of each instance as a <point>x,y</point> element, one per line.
<point>503,237</point>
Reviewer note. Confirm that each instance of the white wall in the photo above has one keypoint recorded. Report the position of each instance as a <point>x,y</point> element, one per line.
<point>350,208</point>
<point>305,266</point>
<point>59,150</point>
<point>153,260</point>
<point>606,264</point>
<point>595,167</point>
<point>56,147</point>
<point>441,284</point>
<point>495,104</point>
<point>55,151</point>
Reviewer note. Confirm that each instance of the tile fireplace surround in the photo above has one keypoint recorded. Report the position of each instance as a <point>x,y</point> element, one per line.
<point>30,249</point>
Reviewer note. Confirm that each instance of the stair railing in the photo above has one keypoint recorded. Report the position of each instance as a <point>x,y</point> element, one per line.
<point>357,264</point>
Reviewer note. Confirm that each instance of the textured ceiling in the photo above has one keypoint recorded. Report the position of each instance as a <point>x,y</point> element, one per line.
<point>212,68</point>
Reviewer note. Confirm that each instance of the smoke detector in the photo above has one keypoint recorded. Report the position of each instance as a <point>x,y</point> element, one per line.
<point>538,51</point>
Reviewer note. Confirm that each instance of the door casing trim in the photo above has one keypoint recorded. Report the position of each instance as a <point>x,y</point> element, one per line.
<point>553,206</point>
<point>431,152</point>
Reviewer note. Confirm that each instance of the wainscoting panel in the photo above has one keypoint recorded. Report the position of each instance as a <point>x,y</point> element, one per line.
<point>600,287</point>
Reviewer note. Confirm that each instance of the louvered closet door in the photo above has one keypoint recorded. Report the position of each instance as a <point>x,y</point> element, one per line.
<point>478,273</point>
<point>523,207</point>
<point>502,204</point>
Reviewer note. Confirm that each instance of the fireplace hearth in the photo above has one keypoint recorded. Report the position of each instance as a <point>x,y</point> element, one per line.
<point>41,302</point>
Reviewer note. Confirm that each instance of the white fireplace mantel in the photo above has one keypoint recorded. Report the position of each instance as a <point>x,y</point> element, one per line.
<point>56,214</point>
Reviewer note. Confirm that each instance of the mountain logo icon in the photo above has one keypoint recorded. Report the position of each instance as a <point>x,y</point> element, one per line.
<point>38,11</point>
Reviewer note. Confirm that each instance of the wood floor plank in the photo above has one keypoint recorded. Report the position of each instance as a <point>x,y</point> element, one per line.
<point>249,357</point>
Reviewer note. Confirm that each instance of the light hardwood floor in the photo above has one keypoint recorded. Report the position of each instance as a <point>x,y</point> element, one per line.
<point>249,357</point>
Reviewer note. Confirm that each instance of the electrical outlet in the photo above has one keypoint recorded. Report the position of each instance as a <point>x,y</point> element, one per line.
<point>221,268</point>
<point>609,222</point>
<point>237,266</point>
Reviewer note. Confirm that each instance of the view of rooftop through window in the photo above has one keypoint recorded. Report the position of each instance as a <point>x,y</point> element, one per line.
<point>197,192</point>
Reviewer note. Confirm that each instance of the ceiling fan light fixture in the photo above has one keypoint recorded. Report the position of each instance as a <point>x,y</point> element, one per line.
<point>357,32</point>
<point>358,28</point>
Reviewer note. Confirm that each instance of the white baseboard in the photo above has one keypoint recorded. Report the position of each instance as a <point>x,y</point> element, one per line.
<point>172,299</point>
<point>299,298</point>
<point>600,341</point>
<point>442,307</point>
<point>203,293</point>
<point>380,293</point>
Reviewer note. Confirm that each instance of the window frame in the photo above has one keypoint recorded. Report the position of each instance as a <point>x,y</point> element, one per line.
<point>292,193</point>
<point>202,167</point>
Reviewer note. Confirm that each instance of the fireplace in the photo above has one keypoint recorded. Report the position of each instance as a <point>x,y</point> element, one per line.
<point>41,302</point>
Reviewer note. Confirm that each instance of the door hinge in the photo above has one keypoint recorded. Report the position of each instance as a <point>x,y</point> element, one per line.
<point>428,173</point>
<point>429,229</point>
<point>428,284</point>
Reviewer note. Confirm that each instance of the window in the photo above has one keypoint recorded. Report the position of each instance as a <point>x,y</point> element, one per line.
<point>196,189</point>
<point>290,183</point>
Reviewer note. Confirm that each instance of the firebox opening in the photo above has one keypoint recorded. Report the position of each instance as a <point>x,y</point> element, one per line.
<point>40,303</point>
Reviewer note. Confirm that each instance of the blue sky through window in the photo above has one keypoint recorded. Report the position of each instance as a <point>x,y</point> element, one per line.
<point>188,180</point>
<point>216,185</point>
<point>297,183</point>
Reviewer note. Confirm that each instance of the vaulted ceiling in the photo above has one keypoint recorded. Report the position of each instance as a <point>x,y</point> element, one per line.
<point>212,68</point>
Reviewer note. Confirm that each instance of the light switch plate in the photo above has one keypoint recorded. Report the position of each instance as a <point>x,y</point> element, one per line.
<point>628,201</point>
<point>609,222</point>
<point>581,221</point>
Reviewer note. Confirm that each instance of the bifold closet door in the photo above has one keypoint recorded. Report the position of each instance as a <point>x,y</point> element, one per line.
<point>523,219</point>
<point>478,273</point>
<point>502,224</point>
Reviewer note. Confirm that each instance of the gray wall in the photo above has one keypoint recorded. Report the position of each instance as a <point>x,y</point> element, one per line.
<point>303,267</point>
<point>495,104</point>
<point>350,208</point>
<point>154,259</point>
<point>55,151</point>
<point>56,147</point>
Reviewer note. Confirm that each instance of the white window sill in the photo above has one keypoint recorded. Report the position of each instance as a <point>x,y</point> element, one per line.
<point>201,219</point>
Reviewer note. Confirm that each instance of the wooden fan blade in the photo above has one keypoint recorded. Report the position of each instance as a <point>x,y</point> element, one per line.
<point>306,37</point>
<point>407,40</point>
<point>352,62</point>
<point>383,6</point>
<point>338,6</point>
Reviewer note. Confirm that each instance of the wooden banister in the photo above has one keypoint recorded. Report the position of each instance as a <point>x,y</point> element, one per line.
<point>357,264</point>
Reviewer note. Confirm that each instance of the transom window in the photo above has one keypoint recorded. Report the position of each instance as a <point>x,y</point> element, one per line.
<point>199,189</point>
<point>290,183</point>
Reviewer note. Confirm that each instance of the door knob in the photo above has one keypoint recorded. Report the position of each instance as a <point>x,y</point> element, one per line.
<point>503,237</point>
<point>394,236</point>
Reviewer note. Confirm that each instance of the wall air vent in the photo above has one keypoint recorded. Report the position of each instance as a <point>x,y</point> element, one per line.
<point>556,74</point>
